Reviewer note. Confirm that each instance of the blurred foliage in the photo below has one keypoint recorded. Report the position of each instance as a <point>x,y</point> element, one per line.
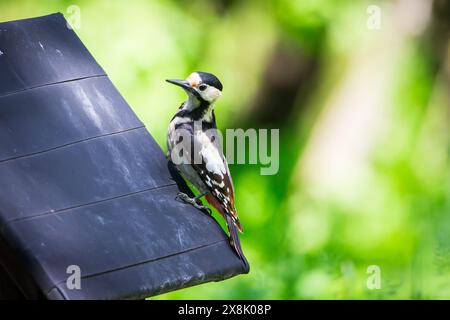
<point>304,240</point>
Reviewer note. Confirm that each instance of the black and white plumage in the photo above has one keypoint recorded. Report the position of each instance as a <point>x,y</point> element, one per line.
<point>194,148</point>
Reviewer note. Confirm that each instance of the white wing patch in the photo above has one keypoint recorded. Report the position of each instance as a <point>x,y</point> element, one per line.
<point>213,158</point>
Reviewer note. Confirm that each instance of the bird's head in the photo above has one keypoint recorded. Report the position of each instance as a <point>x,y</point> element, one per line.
<point>202,86</point>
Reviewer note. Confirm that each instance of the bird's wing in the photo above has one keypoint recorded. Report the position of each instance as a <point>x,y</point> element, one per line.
<point>204,152</point>
<point>214,171</point>
<point>206,157</point>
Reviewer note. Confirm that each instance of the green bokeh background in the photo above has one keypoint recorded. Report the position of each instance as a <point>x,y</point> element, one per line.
<point>364,119</point>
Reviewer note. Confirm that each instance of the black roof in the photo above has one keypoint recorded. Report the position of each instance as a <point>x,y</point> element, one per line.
<point>84,183</point>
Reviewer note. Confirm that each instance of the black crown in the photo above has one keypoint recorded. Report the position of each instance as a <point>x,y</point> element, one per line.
<point>210,79</point>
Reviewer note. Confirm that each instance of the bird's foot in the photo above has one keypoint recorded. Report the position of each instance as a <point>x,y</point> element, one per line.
<point>197,203</point>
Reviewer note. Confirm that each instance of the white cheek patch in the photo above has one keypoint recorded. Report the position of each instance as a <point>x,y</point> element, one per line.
<point>211,94</point>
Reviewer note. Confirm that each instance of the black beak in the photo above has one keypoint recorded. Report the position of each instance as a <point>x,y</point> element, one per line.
<point>181,83</point>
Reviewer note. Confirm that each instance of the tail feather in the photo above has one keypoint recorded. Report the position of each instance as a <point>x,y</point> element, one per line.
<point>238,225</point>
<point>233,227</point>
<point>235,242</point>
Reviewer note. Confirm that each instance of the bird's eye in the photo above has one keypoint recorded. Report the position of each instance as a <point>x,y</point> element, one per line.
<point>202,87</point>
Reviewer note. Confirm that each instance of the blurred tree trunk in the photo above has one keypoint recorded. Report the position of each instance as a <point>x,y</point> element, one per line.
<point>438,36</point>
<point>289,76</point>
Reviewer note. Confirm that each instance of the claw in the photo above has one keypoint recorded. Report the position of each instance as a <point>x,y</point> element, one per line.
<point>195,202</point>
<point>205,209</point>
<point>184,197</point>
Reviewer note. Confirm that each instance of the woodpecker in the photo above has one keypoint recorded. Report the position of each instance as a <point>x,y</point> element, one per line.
<point>194,148</point>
